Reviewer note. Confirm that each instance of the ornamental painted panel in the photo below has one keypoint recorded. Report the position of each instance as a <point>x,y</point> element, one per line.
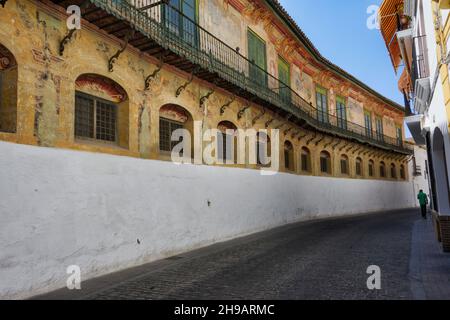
<point>101,87</point>
<point>174,113</point>
<point>355,111</point>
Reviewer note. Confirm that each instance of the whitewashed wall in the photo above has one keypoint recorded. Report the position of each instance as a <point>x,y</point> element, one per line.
<point>420,182</point>
<point>60,207</point>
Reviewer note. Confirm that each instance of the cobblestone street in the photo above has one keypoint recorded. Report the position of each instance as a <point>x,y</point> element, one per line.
<point>325,259</point>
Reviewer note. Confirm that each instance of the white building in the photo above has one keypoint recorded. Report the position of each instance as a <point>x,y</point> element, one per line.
<point>416,33</point>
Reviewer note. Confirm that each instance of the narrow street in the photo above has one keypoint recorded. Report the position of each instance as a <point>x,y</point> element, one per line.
<point>325,259</point>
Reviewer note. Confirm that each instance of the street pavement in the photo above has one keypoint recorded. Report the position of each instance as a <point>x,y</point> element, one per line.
<point>325,259</point>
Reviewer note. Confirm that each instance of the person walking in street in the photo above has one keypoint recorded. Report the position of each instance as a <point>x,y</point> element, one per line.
<point>423,201</point>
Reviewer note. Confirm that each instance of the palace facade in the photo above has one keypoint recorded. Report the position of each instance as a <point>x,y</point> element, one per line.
<point>138,70</point>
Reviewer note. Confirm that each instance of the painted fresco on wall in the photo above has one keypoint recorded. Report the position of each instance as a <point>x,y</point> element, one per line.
<point>302,84</point>
<point>389,126</point>
<point>272,58</point>
<point>100,87</point>
<point>215,20</point>
<point>174,112</point>
<point>355,111</point>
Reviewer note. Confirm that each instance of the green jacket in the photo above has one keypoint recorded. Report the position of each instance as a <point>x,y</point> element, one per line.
<point>423,199</point>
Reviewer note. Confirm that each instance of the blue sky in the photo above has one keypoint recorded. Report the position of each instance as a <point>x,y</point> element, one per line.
<point>339,30</point>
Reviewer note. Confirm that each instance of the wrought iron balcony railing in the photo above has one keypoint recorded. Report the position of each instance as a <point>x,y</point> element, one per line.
<point>172,30</point>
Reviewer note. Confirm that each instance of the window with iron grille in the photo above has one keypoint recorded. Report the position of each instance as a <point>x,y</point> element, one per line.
<point>325,163</point>
<point>95,118</point>
<point>262,153</point>
<point>358,168</point>
<point>305,161</point>
<point>166,128</point>
<point>371,171</point>
<point>393,172</point>
<point>382,171</point>
<point>225,146</point>
<point>344,166</point>
<point>287,163</point>
<point>402,173</point>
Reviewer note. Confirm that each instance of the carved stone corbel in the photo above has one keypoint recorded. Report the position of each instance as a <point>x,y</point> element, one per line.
<point>322,137</point>
<point>312,138</point>
<point>186,84</point>
<point>116,56</point>
<point>268,123</point>
<point>205,98</point>
<point>152,76</point>
<point>258,117</point>
<point>241,112</point>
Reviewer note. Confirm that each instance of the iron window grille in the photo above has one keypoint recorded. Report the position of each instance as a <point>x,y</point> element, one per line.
<point>225,147</point>
<point>358,168</point>
<point>382,171</point>
<point>262,154</point>
<point>95,118</point>
<point>402,173</point>
<point>305,162</point>
<point>371,173</point>
<point>344,166</point>
<point>393,172</point>
<point>166,129</point>
<point>325,164</point>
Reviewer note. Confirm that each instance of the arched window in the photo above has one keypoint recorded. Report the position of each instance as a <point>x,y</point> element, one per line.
<point>382,170</point>
<point>306,160</point>
<point>344,165</point>
<point>359,167</point>
<point>371,168</point>
<point>402,172</point>
<point>101,110</point>
<point>325,162</point>
<point>289,156</point>
<point>393,171</point>
<point>226,143</point>
<point>263,149</point>
<point>8,91</point>
<point>171,118</point>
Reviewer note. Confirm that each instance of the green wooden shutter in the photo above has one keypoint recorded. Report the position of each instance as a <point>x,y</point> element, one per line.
<point>341,113</point>
<point>257,55</point>
<point>379,128</point>
<point>284,75</point>
<point>368,122</point>
<point>399,136</point>
<point>322,104</point>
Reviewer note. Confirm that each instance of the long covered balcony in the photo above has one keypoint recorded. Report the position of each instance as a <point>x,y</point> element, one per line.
<point>162,31</point>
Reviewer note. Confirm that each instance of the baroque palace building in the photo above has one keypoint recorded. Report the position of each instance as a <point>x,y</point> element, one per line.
<point>138,70</point>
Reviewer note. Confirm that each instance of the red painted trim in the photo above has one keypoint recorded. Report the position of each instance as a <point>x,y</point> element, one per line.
<point>239,6</point>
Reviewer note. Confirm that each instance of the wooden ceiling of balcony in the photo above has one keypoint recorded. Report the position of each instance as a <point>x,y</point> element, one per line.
<point>388,25</point>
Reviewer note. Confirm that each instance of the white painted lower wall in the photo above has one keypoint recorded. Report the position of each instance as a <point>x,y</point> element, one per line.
<point>61,208</point>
